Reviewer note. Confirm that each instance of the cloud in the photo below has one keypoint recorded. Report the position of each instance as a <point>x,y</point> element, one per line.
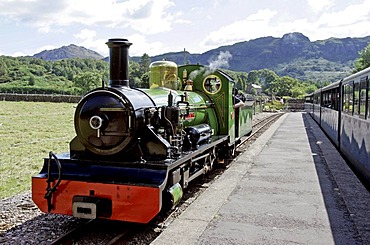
<point>350,15</point>
<point>46,47</point>
<point>85,34</point>
<point>253,26</point>
<point>150,16</point>
<point>17,54</point>
<point>350,21</point>
<point>40,14</point>
<point>88,40</point>
<point>158,19</point>
<point>140,43</point>
<point>320,5</point>
<point>185,24</point>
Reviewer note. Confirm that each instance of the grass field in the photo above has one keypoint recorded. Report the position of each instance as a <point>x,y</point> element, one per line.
<point>28,131</point>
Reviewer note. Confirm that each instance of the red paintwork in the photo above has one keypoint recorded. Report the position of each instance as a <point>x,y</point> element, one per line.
<point>137,204</point>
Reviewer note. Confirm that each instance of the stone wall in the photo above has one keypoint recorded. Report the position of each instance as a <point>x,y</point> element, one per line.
<point>40,98</point>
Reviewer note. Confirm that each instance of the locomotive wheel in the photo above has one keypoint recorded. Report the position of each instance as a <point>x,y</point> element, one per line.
<point>231,151</point>
<point>212,157</point>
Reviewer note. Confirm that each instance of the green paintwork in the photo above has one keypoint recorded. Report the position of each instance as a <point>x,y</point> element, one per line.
<point>197,104</point>
<point>246,118</point>
<point>222,100</point>
<point>210,101</point>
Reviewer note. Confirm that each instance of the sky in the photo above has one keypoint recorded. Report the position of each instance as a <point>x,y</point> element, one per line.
<point>155,27</point>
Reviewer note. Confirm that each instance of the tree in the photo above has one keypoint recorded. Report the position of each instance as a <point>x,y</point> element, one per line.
<point>267,77</point>
<point>253,77</point>
<point>363,61</point>
<point>3,68</point>
<point>310,88</point>
<point>144,80</point>
<point>135,74</point>
<point>283,86</point>
<point>254,92</point>
<point>298,91</point>
<point>239,85</point>
<point>144,63</point>
<point>87,81</point>
<point>31,80</point>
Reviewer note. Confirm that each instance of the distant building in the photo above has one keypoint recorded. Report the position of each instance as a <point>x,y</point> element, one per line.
<point>255,87</point>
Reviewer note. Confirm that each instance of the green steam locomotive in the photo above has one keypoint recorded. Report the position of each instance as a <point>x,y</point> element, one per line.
<point>136,150</point>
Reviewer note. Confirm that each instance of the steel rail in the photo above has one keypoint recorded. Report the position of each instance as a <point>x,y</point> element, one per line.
<point>263,123</point>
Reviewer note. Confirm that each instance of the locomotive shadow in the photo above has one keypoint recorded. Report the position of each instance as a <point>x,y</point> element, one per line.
<point>45,226</point>
<point>341,223</point>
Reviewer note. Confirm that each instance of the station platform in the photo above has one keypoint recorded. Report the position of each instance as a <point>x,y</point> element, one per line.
<point>291,186</point>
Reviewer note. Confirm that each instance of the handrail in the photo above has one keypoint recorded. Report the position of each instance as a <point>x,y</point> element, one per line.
<point>50,190</point>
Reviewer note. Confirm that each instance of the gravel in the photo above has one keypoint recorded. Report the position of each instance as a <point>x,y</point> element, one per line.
<point>23,223</point>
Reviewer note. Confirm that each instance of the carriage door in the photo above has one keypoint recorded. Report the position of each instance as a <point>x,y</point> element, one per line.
<point>236,108</point>
<point>237,121</point>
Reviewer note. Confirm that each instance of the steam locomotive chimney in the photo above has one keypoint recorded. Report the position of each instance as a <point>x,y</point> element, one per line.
<point>118,62</point>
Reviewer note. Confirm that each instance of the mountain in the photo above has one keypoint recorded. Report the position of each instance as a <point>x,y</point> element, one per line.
<point>293,55</point>
<point>70,51</point>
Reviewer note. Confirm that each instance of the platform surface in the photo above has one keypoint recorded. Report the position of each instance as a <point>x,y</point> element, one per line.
<point>290,186</point>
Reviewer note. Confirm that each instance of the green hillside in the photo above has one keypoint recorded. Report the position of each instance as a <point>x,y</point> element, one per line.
<point>292,55</point>
<point>269,62</point>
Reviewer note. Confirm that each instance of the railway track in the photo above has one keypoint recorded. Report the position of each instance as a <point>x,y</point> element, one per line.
<point>69,236</point>
<point>98,232</point>
<point>258,127</point>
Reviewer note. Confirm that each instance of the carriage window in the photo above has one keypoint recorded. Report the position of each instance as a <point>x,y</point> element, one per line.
<point>348,98</point>
<point>362,93</point>
<point>316,98</point>
<point>309,99</point>
<point>331,99</point>
<point>325,99</point>
<point>345,101</point>
<point>338,99</point>
<point>335,99</point>
<point>356,98</point>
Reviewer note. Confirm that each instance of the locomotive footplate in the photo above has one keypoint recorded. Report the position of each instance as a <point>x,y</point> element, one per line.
<point>117,192</point>
<point>133,203</point>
